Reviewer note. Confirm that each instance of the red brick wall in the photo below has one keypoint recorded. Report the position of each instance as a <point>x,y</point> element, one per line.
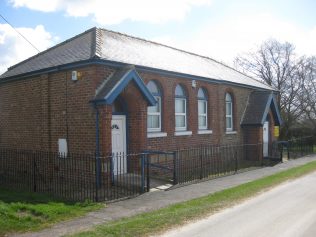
<point>20,114</point>
<point>172,142</point>
<point>137,118</point>
<point>253,135</point>
<point>105,117</point>
<point>73,99</point>
<point>35,113</point>
<point>216,113</point>
<point>240,98</point>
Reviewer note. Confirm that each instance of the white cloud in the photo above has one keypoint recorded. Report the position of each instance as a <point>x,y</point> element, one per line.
<point>107,12</point>
<point>39,5</point>
<point>223,41</point>
<point>13,48</point>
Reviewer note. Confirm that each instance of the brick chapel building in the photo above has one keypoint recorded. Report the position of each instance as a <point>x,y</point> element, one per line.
<point>106,91</point>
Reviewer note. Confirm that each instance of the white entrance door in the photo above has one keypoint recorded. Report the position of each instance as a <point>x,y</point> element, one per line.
<point>266,139</point>
<point>119,144</point>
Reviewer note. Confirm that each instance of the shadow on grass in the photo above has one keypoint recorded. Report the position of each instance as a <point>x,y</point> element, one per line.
<point>9,196</point>
<point>24,211</point>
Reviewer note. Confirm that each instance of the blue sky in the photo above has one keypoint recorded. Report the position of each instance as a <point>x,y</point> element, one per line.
<point>220,29</point>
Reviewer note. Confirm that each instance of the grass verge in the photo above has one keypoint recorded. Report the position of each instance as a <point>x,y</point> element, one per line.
<point>23,211</point>
<point>178,214</point>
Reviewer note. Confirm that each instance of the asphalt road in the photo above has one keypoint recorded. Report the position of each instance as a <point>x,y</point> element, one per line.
<point>288,210</point>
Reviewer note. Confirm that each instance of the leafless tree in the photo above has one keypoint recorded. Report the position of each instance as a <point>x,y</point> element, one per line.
<point>276,64</point>
<point>307,97</point>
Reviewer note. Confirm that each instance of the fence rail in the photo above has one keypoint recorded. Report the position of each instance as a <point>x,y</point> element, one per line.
<point>81,177</point>
<point>300,147</point>
<point>215,160</point>
<point>76,177</point>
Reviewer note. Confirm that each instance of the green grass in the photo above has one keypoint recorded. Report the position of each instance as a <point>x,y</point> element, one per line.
<point>22,211</point>
<point>179,214</point>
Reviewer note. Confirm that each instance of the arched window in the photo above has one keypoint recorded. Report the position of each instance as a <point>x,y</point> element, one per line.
<point>154,112</point>
<point>180,109</point>
<point>229,112</point>
<point>202,109</point>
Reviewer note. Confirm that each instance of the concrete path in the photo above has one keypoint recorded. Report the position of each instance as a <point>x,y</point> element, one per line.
<point>288,210</point>
<point>158,199</point>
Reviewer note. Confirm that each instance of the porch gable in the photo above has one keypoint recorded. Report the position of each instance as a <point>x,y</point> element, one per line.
<point>116,83</point>
<point>257,109</point>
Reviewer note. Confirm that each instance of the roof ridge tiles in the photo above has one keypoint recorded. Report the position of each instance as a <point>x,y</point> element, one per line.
<point>97,42</point>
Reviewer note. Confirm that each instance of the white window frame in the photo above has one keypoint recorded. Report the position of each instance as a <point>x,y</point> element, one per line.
<point>158,98</point>
<point>180,97</point>
<point>181,114</point>
<point>229,116</point>
<point>202,114</point>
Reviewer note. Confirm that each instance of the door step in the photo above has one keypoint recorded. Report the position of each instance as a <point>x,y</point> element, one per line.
<point>161,187</point>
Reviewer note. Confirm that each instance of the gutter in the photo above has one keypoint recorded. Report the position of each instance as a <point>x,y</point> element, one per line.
<point>98,61</point>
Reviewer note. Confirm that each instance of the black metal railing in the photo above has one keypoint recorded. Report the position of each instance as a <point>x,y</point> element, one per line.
<point>81,177</point>
<point>215,160</point>
<point>219,160</point>
<point>160,166</point>
<point>297,147</point>
<point>76,177</point>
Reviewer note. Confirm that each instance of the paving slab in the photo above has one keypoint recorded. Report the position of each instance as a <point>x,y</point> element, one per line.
<point>161,198</point>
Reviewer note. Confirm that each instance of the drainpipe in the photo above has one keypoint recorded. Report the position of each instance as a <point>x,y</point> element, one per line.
<point>97,143</point>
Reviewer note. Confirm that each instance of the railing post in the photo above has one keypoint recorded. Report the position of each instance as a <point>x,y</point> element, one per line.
<point>142,173</point>
<point>236,162</point>
<point>260,154</point>
<point>148,172</point>
<point>288,150</point>
<point>97,170</point>
<point>281,152</point>
<point>96,178</point>
<point>175,179</point>
<point>201,166</point>
<point>34,172</point>
<point>112,168</point>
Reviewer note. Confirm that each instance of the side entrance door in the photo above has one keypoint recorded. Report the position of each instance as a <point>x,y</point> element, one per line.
<point>266,139</point>
<point>119,144</point>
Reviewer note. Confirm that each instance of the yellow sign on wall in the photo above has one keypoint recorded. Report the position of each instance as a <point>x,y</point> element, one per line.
<point>276,131</point>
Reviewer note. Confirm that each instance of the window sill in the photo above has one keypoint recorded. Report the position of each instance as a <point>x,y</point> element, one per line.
<point>183,133</point>
<point>231,132</point>
<point>156,134</point>
<point>205,132</point>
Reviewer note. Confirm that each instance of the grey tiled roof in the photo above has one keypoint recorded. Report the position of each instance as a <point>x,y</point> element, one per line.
<point>117,47</point>
<point>78,48</point>
<point>256,108</point>
<point>127,49</point>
